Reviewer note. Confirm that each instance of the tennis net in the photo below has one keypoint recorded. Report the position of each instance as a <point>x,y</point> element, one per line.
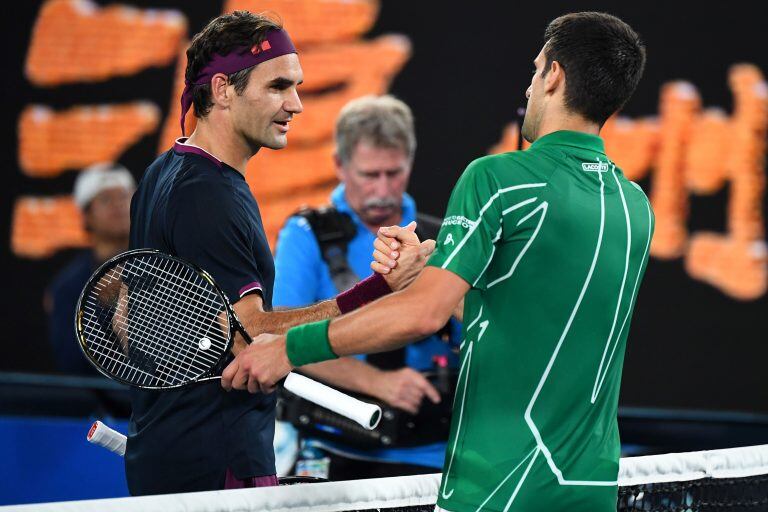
<point>732,480</point>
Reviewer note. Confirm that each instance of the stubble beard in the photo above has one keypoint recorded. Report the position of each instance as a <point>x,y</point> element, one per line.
<point>528,131</point>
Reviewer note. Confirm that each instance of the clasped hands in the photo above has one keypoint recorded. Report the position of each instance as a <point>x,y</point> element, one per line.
<point>398,255</point>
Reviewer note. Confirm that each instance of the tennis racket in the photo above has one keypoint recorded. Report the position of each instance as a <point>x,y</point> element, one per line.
<point>155,321</point>
<point>101,435</point>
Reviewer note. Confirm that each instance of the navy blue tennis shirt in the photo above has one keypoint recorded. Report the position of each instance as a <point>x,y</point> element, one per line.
<point>191,205</point>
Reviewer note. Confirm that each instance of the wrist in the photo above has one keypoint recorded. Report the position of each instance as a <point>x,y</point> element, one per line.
<point>367,290</point>
<point>287,360</point>
<point>374,383</point>
<point>309,343</point>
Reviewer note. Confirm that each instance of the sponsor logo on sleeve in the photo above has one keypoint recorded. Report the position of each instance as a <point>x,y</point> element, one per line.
<point>458,220</point>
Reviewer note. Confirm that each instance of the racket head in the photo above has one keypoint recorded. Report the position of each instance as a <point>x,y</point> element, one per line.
<point>153,321</point>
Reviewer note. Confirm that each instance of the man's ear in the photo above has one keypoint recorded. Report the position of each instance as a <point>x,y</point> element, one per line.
<point>339,169</point>
<point>554,78</point>
<point>220,93</point>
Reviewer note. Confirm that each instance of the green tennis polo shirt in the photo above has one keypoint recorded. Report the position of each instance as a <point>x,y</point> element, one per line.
<point>554,242</point>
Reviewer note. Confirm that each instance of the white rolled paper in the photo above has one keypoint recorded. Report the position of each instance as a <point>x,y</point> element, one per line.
<point>112,440</point>
<point>365,414</point>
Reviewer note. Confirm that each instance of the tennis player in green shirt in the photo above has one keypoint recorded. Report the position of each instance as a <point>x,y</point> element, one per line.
<point>546,248</point>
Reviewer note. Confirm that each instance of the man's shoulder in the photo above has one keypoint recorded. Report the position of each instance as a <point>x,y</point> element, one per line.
<point>636,189</point>
<point>197,201</point>
<point>630,188</point>
<point>171,171</point>
<point>636,196</point>
<point>193,180</point>
<point>501,159</point>
<point>190,166</point>
<point>505,169</point>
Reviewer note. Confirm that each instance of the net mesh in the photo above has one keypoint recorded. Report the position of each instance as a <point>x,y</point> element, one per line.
<point>731,480</point>
<point>708,494</point>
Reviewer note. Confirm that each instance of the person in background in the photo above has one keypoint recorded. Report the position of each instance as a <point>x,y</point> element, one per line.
<point>103,195</point>
<point>375,146</point>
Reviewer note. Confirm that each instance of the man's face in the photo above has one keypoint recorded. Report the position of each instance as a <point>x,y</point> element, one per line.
<point>376,179</point>
<point>108,214</point>
<point>535,94</point>
<point>270,100</point>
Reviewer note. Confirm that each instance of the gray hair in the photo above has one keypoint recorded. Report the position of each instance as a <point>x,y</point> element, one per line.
<point>383,121</point>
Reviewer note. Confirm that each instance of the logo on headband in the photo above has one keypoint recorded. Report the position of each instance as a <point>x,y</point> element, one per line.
<point>257,49</point>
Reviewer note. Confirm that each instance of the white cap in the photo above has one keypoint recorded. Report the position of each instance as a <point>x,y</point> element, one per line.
<point>99,177</point>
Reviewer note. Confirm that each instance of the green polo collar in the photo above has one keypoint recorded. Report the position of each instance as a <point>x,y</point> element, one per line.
<point>570,138</point>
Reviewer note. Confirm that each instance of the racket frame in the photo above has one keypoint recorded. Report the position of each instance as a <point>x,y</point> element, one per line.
<point>234,322</point>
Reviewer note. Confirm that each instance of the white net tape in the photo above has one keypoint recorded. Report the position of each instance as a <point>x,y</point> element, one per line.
<point>410,491</point>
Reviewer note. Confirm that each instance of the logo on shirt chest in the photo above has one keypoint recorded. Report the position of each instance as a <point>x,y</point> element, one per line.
<point>594,167</point>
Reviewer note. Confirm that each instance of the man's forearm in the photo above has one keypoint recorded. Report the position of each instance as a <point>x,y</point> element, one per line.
<point>399,318</point>
<point>387,324</point>
<point>278,322</point>
<point>346,372</point>
<point>250,310</point>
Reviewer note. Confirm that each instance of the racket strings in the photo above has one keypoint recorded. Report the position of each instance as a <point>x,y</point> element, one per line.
<point>161,310</point>
<point>162,319</point>
<point>118,367</point>
<point>152,321</point>
<point>102,339</point>
<point>135,366</point>
<point>202,303</point>
<point>163,328</point>
<point>194,306</point>
<point>116,358</point>
<point>113,360</point>
<point>144,355</point>
<point>158,314</point>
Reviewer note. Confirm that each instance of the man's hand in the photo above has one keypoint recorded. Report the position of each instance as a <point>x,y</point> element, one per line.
<point>404,389</point>
<point>399,255</point>
<point>259,366</point>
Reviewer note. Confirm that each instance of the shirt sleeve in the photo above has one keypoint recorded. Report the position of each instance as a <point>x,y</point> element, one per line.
<point>472,225</point>
<point>297,257</point>
<point>207,226</point>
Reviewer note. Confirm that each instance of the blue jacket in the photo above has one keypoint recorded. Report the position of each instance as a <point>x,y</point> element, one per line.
<point>302,277</point>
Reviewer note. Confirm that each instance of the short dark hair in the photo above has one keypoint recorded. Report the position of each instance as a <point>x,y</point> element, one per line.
<point>603,59</point>
<point>222,35</point>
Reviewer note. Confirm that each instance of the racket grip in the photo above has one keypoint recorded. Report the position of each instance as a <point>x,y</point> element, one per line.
<point>365,414</point>
<point>102,435</point>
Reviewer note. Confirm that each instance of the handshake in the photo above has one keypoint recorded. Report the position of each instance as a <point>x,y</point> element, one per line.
<point>399,256</point>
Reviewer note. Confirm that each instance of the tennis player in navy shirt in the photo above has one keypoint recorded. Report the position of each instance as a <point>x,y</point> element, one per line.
<point>193,202</point>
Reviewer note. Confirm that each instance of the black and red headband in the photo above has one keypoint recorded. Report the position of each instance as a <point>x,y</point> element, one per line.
<point>276,44</point>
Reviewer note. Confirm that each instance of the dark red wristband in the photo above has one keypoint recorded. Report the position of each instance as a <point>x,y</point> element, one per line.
<point>367,290</point>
